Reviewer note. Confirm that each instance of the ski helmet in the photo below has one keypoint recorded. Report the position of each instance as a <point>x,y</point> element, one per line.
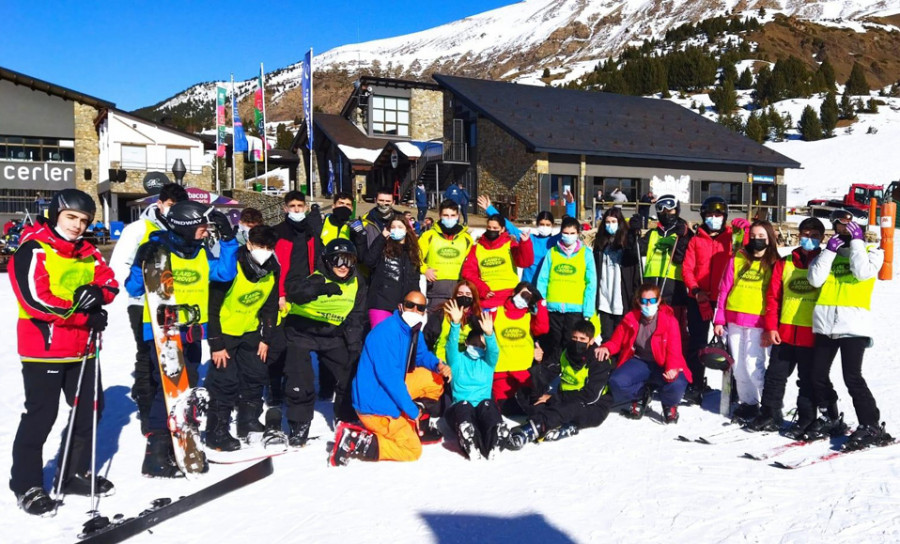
<point>841,216</point>
<point>340,252</point>
<point>714,204</point>
<point>184,217</point>
<point>715,355</point>
<point>71,199</point>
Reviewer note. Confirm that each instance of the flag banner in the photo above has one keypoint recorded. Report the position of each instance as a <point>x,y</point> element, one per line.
<point>221,96</point>
<point>240,139</point>
<point>306,86</point>
<point>330,177</point>
<point>258,107</point>
<point>255,149</point>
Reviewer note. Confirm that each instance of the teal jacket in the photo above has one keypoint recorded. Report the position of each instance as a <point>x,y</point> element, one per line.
<point>472,378</point>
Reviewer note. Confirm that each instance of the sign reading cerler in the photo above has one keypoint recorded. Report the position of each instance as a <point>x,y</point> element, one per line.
<point>41,172</point>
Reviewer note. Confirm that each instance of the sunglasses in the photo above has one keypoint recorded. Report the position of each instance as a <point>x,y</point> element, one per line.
<point>409,305</point>
<point>666,204</point>
<point>653,300</point>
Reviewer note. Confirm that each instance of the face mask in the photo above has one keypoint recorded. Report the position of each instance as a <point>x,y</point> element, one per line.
<point>667,219</point>
<point>63,235</point>
<point>809,244</point>
<point>649,310</point>
<point>261,255</point>
<point>758,244</point>
<point>464,301</point>
<point>544,230</point>
<point>569,239</point>
<point>448,222</point>
<point>520,302</point>
<point>412,318</point>
<point>339,216</point>
<point>475,352</point>
<point>384,208</point>
<point>576,349</point>
<point>296,217</point>
<point>611,228</point>
<point>714,223</point>
<point>243,234</point>
<point>398,234</point>
<point>492,235</point>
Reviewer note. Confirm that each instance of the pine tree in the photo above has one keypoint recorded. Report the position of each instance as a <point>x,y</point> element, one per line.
<point>777,124</point>
<point>745,81</point>
<point>829,113</point>
<point>754,129</point>
<point>827,71</point>
<point>872,106</point>
<point>732,122</point>
<point>729,73</point>
<point>847,111</point>
<point>856,83</point>
<point>809,126</point>
<point>724,97</point>
<point>546,74</point>
<point>283,137</point>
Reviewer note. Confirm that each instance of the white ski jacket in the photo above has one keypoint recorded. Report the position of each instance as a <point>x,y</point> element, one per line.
<point>129,242</point>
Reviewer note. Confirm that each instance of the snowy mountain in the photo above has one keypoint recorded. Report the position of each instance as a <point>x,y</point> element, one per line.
<point>517,42</point>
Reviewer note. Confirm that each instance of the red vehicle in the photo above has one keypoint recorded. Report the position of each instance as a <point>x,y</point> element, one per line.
<point>856,201</point>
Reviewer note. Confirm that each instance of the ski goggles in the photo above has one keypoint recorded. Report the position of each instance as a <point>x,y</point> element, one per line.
<point>841,216</point>
<point>645,301</point>
<point>342,260</point>
<point>666,203</point>
<point>717,207</point>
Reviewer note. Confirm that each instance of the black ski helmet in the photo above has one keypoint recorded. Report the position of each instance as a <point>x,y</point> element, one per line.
<point>184,217</point>
<point>71,199</point>
<point>715,355</point>
<point>714,204</point>
<point>340,251</point>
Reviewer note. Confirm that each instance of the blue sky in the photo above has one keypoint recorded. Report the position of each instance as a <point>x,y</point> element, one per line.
<point>136,53</point>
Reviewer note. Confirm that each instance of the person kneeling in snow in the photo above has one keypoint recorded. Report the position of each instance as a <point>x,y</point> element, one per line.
<point>389,416</point>
<point>582,400</point>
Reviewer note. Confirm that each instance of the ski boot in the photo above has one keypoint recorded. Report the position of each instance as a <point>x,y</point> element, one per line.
<point>745,413</point>
<point>499,436</point>
<point>299,434</point>
<point>37,502</point>
<point>468,439</point>
<point>218,436</point>
<point>769,420</point>
<point>830,423</point>
<point>273,436</point>
<point>867,436</point>
<point>248,418</point>
<point>558,433</point>
<point>671,413</point>
<point>352,441</point>
<point>694,393</point>
<point>639,407</point>
<point>426,427</point>
<point>521,435</point>
<point>806,415</point>
<point>80,484</point>
<point>159,459</point>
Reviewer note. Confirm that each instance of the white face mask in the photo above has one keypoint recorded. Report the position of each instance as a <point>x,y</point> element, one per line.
<point>475,352</point>
<point>261,255</point>
<point>243,234</point>
<point>412,318</point>
<point>520,302</point>
<point>398,234</point>
<point>544,230</point>
<point>296,216</point>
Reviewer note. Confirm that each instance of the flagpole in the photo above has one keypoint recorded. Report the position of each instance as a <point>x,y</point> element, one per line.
<point>265,143</point>
<point>216,154</point>
<point>312,126</point>
<point>233,104</point>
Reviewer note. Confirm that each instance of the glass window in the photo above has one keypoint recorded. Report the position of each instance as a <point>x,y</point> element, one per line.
<point>390,116</point>
<point>378,103</point>
<point>402,130</point>
<point>729,191</point>
<point>134,157</point>
<point>378,116</point>
<point>628,186</point>
<point>67,155</point>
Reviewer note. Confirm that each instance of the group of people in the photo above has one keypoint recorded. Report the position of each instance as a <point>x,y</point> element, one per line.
<point>408,329</point>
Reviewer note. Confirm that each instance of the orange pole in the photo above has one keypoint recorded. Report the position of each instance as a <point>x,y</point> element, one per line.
<point>873,211</point>
<point>888,213</point>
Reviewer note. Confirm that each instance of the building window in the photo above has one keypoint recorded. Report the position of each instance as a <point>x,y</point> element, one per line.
<point>134,157</point>
<point>182,153</point>
<point>730,191</point>
<point>21,200</point>
<point>604,188</point>
<point>390,115</point>
<point>15,148</point>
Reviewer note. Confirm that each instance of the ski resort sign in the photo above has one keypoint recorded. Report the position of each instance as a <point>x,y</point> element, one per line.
<point>37,175</point>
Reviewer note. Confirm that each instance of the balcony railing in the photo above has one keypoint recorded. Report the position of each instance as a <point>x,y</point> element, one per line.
<point>157,167</point>
<point>457,153</point>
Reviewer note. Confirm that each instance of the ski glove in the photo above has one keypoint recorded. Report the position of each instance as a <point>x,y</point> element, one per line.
<point>834,244</point>
<point>855,231</point>
<point>87,298</point>
<point>97,321</point>
<point>329,289</point>
<point>223,227</point>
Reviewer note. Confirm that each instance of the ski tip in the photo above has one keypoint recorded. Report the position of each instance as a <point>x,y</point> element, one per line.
<point>778,464</point>
<point>702,440</point>
<point>681,438</point>
<point>751,456</point>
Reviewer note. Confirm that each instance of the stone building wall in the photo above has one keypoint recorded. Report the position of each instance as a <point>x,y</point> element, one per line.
<point>426,114</point>
<point>87,153</point>
<point>269,205</point>
<point>504,168</point>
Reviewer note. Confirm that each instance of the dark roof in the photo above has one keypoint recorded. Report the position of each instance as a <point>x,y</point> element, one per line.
<point>552,120</point>
<point>51,89</point>
<point>283,155</point>
<point>339,131</point>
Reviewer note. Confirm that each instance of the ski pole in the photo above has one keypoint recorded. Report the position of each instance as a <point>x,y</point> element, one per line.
<point>93,471</point>
<point>62,467</point>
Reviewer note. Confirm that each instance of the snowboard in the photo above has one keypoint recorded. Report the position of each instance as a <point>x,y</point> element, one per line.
<point>185,405</point>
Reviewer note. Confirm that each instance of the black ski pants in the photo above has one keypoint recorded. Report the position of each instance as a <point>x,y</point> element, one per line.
<point>159,415</point>
<point>561,325</point>
<point>557,411</point>
<point>608,324</point>
<point>484,417</point>
<point>144,387</point>
<point>852,350</point>
<point>43,382</point>
<point>300,386</point>
<point>275,364</point>
<point>242,378</point>
<point>782,361</point>
<point>698,331</point>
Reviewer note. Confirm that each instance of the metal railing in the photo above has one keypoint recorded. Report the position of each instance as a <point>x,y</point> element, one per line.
<point>457,153</point>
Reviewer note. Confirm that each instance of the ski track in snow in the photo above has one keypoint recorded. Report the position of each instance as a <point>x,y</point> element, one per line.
<point>625,481</point>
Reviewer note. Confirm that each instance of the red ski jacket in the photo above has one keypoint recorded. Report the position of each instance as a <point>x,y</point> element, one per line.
<point>705,261</point>
<point>795,335</point>
<point>665,342</point>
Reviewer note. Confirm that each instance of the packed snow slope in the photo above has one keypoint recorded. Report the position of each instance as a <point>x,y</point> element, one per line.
<point>626,481</point>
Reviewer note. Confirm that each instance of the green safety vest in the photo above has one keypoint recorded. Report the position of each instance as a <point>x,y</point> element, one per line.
<point>567,283</point>
<point>240,309</point>
<point>496,267</point>
<point>446,256</point>
<point>569,378</point>
<point>843,289</point>
<point>659,257</point>
<point>332,310</point>
<point>191,281</point>
<point>515,342</point>
<point>65,274</point>
<point>748,295</point>
<point>798,297</point>
<point>330,231</point>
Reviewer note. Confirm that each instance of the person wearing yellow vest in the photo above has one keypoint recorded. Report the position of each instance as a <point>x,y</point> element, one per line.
<point>327,316</point>
<point>194,267</point>
<point>741,306</point>
<point>466,297</point>
<point>242,318</point>
<point>664,249</point>
<point>790,300</point>
<point>845,272</point>
<point>133,236</point>
<point>61,283</point>
<point>582,399</point>
<point>444,248</point>
<point>492,262</point>
<point>568,282</point>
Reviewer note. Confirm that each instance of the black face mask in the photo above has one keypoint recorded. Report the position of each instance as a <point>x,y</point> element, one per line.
<point>576,350</point>
<point>464,301</point>
<point>667,219</point>
<point>339,216</point>
<point>491,235</point>
<point>757,244</point>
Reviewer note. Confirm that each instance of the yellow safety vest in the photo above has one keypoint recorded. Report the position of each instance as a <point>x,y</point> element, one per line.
<point>748,295</point>
<point>569,378</point>
<point>843,289</point>
<point>659,257</point>
<point>496,267</point>
<point>332,310</point>
<point>441,346</point>
<point>798,297</point>
<point>65,274</point>
<point>515,342</point>
<point>191,280</point>
<point>567,283</point>
<point>446,256</point>
<point>240,309</point>
<point>330,231</point>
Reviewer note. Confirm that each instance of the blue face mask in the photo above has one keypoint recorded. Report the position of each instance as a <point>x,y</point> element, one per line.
<point>611,228</point>
<point>475,352</point>
<point>398,234</point>
<point>714,223</point>
<point>649,310</point>
<point>569,239</point>
<point>809,244</point>
<point>449,223</point>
